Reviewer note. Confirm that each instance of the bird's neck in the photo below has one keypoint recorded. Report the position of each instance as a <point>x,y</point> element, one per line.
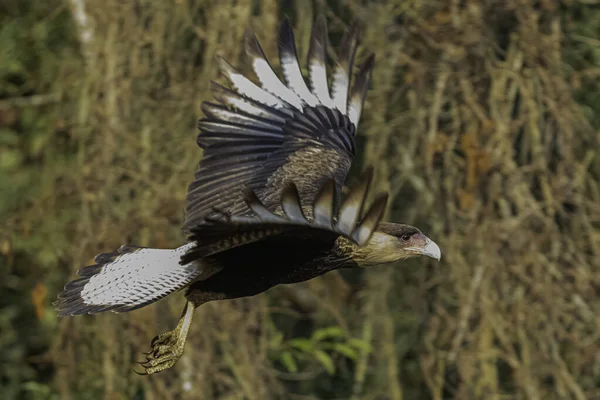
<point>380,249</point>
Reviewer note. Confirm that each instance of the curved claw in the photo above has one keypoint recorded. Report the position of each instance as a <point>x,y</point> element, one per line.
<point>143,362</point>
<point>167,348</point>
<point>144,373</point>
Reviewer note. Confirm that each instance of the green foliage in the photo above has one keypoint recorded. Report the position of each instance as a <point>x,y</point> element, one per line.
<point>322,347</point>
<point>37,48</point>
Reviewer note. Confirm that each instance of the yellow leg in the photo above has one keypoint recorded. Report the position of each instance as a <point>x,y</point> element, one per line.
<point>166,349</point>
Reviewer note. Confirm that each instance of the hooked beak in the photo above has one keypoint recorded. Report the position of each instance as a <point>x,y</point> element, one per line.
<point>431,249</point>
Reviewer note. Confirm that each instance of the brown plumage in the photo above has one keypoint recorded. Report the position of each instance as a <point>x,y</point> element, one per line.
<point>264,208</point>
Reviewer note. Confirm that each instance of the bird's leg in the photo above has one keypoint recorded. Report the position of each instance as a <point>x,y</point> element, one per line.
<point>167,348</point>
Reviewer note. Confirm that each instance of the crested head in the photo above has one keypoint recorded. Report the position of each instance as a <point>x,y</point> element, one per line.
<point>393,242</point>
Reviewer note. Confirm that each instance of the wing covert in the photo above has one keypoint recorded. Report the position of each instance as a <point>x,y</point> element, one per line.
<point>353,220</point>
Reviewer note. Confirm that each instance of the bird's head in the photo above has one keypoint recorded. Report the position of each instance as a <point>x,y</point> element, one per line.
<point>393,242</point>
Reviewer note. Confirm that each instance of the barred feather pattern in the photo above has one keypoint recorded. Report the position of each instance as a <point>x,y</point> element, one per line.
<point>127,279</point>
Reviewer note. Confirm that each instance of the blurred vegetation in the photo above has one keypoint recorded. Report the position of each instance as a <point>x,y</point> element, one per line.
<point>483,122</point>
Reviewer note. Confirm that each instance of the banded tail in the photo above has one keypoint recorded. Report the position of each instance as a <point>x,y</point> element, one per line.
<point>128,279</point>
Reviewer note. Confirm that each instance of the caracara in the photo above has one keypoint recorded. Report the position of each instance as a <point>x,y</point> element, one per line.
<point>265,207</point>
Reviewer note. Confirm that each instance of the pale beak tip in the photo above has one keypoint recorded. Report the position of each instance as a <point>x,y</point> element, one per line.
<point>432,250</point>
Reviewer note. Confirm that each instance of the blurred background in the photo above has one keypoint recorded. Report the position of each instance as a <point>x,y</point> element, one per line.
<point>483,123</point>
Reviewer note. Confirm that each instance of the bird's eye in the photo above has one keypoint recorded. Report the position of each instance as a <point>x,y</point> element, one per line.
<point>406,237</point>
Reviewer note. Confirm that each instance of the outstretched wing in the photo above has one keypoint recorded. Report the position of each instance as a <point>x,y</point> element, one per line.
<point>260,138</point>
<point>352,220</point>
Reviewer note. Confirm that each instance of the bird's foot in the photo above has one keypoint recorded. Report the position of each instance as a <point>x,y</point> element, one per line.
<point>165,350</point>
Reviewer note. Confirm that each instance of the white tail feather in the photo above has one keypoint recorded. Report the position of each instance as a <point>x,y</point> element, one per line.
<point>128,279</point>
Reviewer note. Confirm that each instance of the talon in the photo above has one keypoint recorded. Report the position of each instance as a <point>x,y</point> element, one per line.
<point>143,373</point>
<point>163,354</point>
<point>167,348</point>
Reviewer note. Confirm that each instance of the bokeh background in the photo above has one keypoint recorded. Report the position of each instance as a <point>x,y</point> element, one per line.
<point>483,123</point>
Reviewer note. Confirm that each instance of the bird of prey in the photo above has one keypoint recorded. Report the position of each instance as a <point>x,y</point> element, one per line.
<point>265,206</point>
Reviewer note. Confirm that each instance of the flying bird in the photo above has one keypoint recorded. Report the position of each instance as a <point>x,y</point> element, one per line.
<point>265,207</point>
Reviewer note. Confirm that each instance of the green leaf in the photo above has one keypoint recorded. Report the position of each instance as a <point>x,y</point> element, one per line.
<point>360,344</point>
<point>288,361</point>
<point>276,340</point>
<point>37,388</point>
<point>331,332</point>
<point>302,344</point>
<point>325,361</point>
<point>345,350</point>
